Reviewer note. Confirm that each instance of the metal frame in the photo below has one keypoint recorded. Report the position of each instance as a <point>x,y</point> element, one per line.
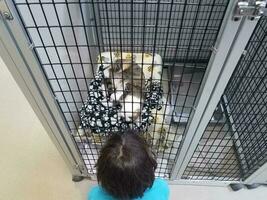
<point>17,54</point>
<point>229,48</point>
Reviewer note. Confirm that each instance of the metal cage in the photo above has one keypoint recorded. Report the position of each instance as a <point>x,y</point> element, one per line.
<point>212,123</point>
<point>233,145</point>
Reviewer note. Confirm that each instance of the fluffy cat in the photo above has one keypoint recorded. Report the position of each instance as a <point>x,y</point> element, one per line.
<point>127,82</point>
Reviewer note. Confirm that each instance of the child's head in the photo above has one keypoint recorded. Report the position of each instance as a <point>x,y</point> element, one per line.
<point>126,166</point>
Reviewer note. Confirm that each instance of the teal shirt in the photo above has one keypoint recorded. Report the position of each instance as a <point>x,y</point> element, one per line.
<point>159,191</point>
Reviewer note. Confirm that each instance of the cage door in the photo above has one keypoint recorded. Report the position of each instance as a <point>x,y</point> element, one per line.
<point>235,148</point>
<point>212,154</point>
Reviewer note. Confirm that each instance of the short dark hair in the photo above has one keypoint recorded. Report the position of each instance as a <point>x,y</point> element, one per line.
<point>126,166</point>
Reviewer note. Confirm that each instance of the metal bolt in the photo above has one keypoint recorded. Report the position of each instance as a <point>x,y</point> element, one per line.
<point>7,15</point>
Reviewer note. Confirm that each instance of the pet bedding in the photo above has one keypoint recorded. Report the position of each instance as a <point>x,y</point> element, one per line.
<point>100,117</point>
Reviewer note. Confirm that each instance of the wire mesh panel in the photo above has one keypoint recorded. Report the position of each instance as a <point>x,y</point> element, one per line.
<point>169,40</point>
<point>234,144</point>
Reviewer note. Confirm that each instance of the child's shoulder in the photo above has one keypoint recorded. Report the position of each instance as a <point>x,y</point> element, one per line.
<point>159,190</point>
<point>160,182</point>
<point>95,190</point>
<point>97,193</point>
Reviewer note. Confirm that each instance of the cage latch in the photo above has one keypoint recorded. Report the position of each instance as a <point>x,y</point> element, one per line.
<point>4,10</point>
<point>251,9</point>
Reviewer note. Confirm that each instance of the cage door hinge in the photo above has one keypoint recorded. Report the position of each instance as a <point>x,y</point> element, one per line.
<point>252,9</point>
<point>4,10</point>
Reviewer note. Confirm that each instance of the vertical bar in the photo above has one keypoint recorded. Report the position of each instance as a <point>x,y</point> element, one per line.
<point>132,41</point>
<point>154,46</point>
<point>143,48</point>
<point>121,49</point>
<point>110,50</point>
<point>173,65</point>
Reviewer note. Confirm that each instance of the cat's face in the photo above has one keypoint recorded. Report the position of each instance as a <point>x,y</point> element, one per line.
<point>130,103</point>
<point>127,80</point>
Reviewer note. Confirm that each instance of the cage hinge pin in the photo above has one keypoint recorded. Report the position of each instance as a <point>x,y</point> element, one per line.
<point>244,52</point>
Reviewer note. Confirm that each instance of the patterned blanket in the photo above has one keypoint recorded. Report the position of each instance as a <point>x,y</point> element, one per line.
<point>100,116</point>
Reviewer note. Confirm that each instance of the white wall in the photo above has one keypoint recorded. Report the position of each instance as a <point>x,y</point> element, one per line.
<point>30,165</point>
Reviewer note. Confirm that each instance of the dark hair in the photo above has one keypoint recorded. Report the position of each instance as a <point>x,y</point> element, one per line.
<point>126,166</point>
